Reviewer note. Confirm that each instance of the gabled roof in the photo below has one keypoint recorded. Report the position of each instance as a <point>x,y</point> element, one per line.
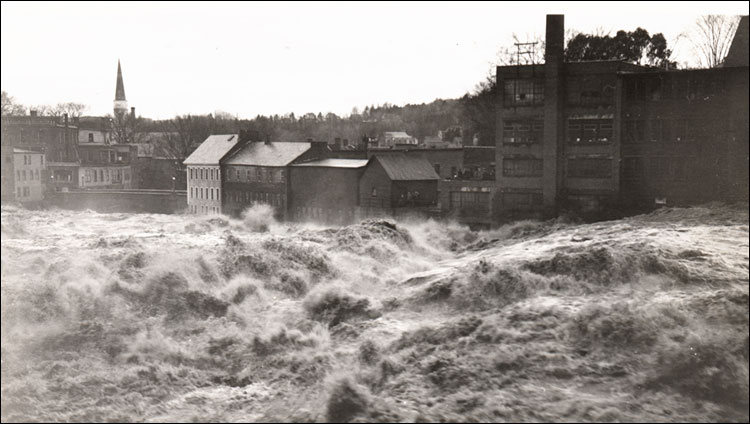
<point>212,150</point>
<point>335,163</point>
<point>16,150</point>
<point>259,153</point>
<point>396,134</point>
<point>738,51</point>
<point>400,167</point>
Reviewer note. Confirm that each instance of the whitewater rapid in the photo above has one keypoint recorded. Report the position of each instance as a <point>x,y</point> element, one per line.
<point>156,318</point>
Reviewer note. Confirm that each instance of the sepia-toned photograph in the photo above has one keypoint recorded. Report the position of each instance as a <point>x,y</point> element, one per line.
<point>375,212</point>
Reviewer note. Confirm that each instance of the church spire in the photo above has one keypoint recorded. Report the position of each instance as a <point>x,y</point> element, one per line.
<point>120,91</point>
<point>121,103</point>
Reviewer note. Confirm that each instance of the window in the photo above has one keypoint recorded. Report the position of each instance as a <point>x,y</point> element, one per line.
<point>91,137</point>
<point>589,131</point>
<point>437,168</point>
<point>632,168</point>
<point>26,192</point>
<point>523,92</point>
<point>522,167</point>
<point>469,201</point>
<point>523,132</point>
<point>589,168</point>
<point>522,201</point>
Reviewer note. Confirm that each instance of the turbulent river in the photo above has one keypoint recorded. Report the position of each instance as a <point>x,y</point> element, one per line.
<point>126,317</point>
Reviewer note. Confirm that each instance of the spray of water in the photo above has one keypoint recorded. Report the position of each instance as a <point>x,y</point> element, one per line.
<point>181,318</point>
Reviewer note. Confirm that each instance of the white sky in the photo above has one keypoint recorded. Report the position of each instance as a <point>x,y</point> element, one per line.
<point>267,58</point>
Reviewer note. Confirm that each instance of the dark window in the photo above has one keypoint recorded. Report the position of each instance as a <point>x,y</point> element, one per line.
<point>632,168</point>
<point>522,167</point>
<point>468,201</point>
<point>437,168</point>
<point>523,92</point>
<point>522,201</point>
<point>589,168</point>
<point>523,132</point>
<point>589,131</point>
<point>91,137</point>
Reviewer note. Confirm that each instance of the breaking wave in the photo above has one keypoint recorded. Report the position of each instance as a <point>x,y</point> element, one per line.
<point>179,318</point>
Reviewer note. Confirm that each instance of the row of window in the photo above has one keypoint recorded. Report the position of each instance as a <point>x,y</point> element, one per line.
<point>522,201</point>
<point>205,193</point>
<point>590,131</point>
<point>576,167</point>
<point>27,159</point>
<point>477,202</point>
<point>26,192</point>
<point>273,199</point>
<point>105,175</point>
<point>523,92</point>
<point>655,168</point>
<point>212,174</point>
<point>256,174</point>
<point>679,87</point>
<point>33,175</point>
<point>672,130</point>
<point>203,209</point>
<point>523,132</point>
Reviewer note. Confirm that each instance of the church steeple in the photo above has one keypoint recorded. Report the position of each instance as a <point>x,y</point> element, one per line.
<point>121,103</point>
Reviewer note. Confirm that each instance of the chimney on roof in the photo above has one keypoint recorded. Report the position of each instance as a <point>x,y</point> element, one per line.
<point>132,113</point>
<point>65,117</point>
<point>32,112</point>
<point>268,139</point>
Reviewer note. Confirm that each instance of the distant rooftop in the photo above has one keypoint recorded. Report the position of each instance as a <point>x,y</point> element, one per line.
<point>277,153</point>
<point>15,150</point>
<point>407,168</point>
<point>212,150</point>
<point>335,163</point>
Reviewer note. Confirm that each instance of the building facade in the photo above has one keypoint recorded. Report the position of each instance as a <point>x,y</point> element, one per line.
<point>204,174</point>
<point>394,185</point>
<point>258,173</point>
<point>325,190</point>
<point>55,137</point>
<point>30,174</point>
<point>591,137</point>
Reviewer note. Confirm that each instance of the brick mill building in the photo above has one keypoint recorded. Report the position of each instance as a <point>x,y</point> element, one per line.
<point>204,174</point>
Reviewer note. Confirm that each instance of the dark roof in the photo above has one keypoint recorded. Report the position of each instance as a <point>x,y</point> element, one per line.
<point>335,163</point>
<point>407,168</point>
<point>277,153</point>
<point>16,150</point>
<point>738,51</point>
<point>212,150</point>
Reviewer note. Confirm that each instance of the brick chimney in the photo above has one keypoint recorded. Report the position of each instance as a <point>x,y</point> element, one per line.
<point>132,113</point>
<point>32,112</point>
<point>554,79</point>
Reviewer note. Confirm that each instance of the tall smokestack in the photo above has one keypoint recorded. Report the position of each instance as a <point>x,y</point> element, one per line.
<point>553,95</point>
<point>132,113</point>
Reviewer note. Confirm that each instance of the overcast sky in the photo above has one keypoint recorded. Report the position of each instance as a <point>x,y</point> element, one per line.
<point>268,58</point>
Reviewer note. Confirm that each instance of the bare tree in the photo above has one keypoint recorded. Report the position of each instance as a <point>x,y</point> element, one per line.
<point>712,38</point>
<point>10,107</point>
<point>520,52</point>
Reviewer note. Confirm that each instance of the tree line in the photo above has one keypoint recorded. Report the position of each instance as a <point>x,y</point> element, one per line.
<point>470,116</point>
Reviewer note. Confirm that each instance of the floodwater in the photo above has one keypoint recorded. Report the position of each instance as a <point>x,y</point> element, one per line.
<point>128,317</point>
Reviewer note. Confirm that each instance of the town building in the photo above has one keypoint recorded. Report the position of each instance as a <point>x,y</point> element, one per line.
<point>30,174</point>
<point>684,137</point>
<point>55,137</point>
<point>204,174</point>
<point>258,173</point>
<point>325,190</point>
<point>397,185</point>
<point>578,136</point>
<point>396,138</point>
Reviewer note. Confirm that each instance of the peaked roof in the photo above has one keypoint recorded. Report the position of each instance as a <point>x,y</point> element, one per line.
<point>738,51</point>
<point>400,167</point>
<point>212,150</point>
<point>335,163</point>
<point>259,153</point>
<point>120,90</point>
